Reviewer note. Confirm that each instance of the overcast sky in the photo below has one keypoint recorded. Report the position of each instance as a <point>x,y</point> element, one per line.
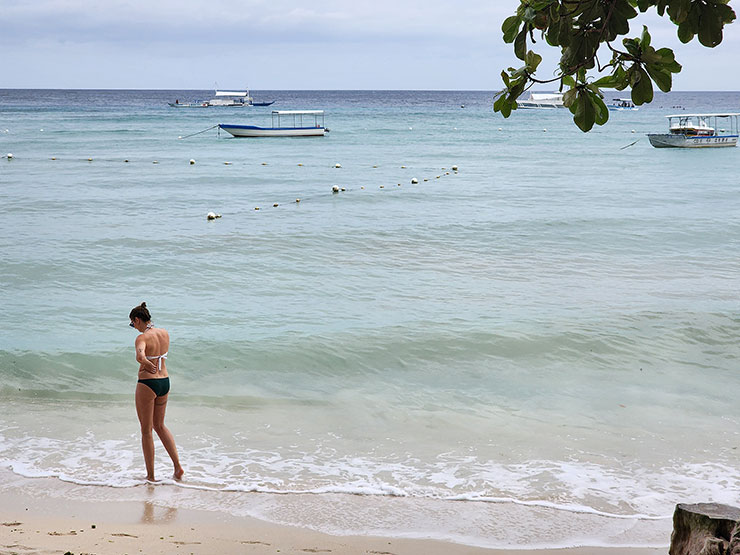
<point>287,44</point>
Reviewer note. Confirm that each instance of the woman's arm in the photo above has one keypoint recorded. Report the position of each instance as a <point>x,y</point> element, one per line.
<point>144,363</point>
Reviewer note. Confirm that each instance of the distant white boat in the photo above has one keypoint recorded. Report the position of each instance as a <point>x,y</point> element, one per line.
<point>622,104</point>
<point>285,123</point>
<point>230,99</point>
<point>542,101</point>
<point>697,131</point>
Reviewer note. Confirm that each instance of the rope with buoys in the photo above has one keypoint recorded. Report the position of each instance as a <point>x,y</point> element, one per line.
<point>199,132</point>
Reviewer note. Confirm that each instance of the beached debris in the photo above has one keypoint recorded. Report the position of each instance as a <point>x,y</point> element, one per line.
<point>705,529</point>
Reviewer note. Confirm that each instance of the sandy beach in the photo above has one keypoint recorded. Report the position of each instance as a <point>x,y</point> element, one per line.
<point>54,523</point>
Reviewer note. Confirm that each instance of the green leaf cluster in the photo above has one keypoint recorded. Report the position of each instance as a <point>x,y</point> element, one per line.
<point>579,28</point>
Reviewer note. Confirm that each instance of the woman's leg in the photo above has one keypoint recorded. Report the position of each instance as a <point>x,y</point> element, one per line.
<point>160,406</point>
<point>145,410</point>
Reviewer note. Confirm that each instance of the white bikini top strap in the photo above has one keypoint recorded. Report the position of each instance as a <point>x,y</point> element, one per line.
<point>159,359</point>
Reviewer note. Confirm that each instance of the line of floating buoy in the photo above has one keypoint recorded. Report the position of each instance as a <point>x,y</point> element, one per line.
<point>335,190</point>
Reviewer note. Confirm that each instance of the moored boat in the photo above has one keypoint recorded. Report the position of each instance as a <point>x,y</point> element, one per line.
<point>229,99</point>
<point>285,123</point>
<point>698,131</point>
<point>622,104</point>
<point>542,101</point>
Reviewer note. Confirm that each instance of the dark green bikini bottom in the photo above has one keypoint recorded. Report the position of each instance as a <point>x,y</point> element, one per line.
<point>160,386</point>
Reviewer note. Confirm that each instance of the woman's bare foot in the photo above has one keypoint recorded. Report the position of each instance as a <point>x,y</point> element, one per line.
<point>178,474</point>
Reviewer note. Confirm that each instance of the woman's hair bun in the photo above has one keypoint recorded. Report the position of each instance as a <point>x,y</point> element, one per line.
<point>140,311</point>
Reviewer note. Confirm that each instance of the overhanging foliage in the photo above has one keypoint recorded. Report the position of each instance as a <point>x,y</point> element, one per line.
<point>580,27</point>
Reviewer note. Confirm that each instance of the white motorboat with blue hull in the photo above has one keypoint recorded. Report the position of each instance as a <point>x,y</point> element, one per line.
<point>294,127</point>
<point>622,104</point>
<point>697,131</point>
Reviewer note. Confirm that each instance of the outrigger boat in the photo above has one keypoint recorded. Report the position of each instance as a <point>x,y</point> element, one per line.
<point>697,131</point>
<point>285,123</point>
<point>230,99</point>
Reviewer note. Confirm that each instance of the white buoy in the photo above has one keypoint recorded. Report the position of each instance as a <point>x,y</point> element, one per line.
<point>337,165</point>
<point>335,189</point>
<point>192,162</point>
<point>414,181</point>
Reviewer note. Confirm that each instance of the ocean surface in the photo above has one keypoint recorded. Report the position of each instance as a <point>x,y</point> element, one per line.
<point>548,335</point>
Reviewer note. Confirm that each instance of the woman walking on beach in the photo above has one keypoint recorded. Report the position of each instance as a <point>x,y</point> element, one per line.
<point>152,390</point>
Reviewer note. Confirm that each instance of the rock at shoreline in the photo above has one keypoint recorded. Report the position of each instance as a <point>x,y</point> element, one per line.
<point>705,529</point>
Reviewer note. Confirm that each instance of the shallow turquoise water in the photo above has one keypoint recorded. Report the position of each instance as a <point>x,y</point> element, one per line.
<point>556,324</point>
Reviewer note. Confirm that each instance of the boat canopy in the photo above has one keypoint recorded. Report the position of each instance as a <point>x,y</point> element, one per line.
<point>298,112</point>
<point>232,93</point>
<point>728,115</point>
